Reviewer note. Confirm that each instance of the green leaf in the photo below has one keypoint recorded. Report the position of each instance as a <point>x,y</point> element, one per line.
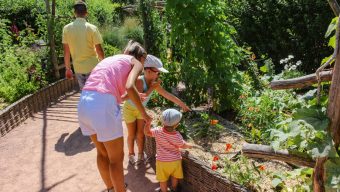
<point>264,69</point>
<point>333,173</point>
<point>331,42</point>
<point>315,117</point>
<point>324,60</point>
<point>276,182</point>
<point>323,149</point>
<point>331,27</point>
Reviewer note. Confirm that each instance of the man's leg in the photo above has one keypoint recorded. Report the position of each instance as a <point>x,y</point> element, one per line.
<point>82,79</point>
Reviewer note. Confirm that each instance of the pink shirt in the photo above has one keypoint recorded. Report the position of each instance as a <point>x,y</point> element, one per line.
<point>167,144</point>
<point>110,76</point>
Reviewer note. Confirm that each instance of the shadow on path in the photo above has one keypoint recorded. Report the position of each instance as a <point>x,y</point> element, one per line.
<point>137,180</point>
<point>74,143</point>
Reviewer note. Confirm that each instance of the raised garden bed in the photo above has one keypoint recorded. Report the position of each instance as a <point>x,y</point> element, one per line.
<point>217,164</point>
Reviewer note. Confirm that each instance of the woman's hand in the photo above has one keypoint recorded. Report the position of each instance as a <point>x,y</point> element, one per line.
<point>147,119</point>
<point>142,96</point>
<point>155,84</point>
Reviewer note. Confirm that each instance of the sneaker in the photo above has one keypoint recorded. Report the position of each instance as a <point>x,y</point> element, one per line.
<point>132,159</point>
<point>141,157</point>
<point>159,190</point>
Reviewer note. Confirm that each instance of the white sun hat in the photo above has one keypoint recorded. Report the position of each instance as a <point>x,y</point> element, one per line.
<point>171,117</point>
<point>152,61</point>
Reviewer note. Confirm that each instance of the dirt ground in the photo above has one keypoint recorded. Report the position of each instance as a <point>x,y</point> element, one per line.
<point>48,153</point>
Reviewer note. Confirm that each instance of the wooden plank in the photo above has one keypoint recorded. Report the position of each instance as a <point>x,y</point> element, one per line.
<point>301,82</point>
<point>267,152</point>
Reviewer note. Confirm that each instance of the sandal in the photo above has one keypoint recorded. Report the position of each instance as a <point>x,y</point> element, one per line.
<point>113,190</point>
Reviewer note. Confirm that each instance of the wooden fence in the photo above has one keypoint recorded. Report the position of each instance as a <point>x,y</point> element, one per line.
<point>19,111</point>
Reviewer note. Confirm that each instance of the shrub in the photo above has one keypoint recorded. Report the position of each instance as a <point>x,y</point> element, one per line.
<point>281,28</point>
<point>207,52</point>
<point>119,36</point>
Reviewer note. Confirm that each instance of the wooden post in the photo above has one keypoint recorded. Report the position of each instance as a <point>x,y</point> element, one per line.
<point>51,39</point>
<point>333,110</point>
<point>335,7</point>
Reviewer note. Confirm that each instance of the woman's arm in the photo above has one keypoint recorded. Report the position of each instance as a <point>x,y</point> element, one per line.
<point>147,130</point>
<point>139,86</point>
<point>172,98</point>
<point>132,90</point>
<point>153,87</point>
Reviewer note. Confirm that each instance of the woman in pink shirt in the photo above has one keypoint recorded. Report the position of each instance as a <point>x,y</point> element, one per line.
<point>99,112</point>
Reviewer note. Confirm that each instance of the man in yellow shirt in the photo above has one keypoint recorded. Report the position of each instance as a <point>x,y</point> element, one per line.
<point>82,41</point>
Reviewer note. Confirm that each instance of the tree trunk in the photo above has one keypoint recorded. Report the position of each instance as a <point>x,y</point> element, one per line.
<point>335,7</point>
<point>300,82</point>
<point>267,152</point>
<point>319,175</point>
<point>333,110</point>
<point>51,39</point>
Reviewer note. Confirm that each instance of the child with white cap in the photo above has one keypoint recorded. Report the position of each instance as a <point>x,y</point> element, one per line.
<point>145,85</point>
<point>168,155</point>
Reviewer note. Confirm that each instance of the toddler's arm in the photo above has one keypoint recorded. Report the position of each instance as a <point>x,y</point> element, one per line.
<point>187,145</point>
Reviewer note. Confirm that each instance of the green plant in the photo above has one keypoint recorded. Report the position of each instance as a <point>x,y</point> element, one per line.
<point>281,28</point>
<point>260,112</point>
<point>203,43</point>
<point>302,178</point>
<point>119,36</point>
<point>243,172</point>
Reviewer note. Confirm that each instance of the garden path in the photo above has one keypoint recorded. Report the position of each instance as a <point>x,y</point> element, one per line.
<point>48,153</point>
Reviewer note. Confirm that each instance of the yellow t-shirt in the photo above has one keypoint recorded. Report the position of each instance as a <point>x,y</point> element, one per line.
<point>82,37</point>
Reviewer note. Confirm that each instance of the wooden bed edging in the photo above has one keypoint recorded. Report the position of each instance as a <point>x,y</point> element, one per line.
<point>198,177</point>
<point>18,112</point>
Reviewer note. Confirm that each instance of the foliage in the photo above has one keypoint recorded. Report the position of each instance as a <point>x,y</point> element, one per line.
<point>305,132</point>
<point>154,28</point>
<point>243,172</point>
<point>333,173</point>
<point>261,111</point>
<point>301,175</point>
<point>206,126</point>
<point>119,36</point>
<point>291,69</point>
<point>281,28</point>
<point>110,50</point>
<point>20,64</point>
<point>204,45</point>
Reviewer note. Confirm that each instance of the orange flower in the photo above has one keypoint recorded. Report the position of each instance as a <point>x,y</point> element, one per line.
<point>242,96</point>
<point>216,158</point>
<point>228,146</point>
<point>251,108</point>
<point>253,56</point>
<point>214,167</point>
<point>262,167</point>
<point>213,122</point>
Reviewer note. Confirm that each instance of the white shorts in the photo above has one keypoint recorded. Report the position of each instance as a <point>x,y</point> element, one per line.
<point>99,113</point>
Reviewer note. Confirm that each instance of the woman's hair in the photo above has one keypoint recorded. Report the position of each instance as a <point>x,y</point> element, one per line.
<point>135,49</point>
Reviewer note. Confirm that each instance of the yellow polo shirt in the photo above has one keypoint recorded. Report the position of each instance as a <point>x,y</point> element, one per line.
<point>82,37</point>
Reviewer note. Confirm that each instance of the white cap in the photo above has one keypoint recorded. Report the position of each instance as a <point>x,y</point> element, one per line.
<point>152,61</point>
<point>171,117</point>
